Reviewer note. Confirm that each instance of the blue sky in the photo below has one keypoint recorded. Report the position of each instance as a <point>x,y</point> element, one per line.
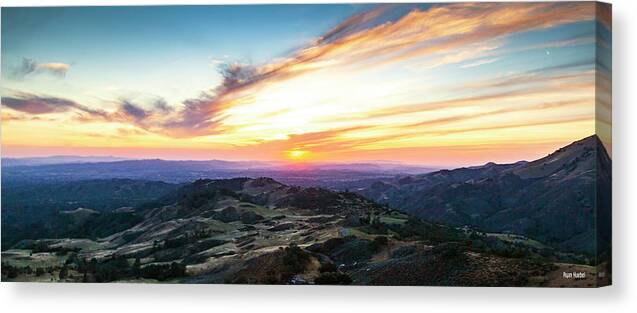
<point>143,46</point>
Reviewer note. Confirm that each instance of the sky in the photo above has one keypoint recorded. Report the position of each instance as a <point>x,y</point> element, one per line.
<point>441,85</point>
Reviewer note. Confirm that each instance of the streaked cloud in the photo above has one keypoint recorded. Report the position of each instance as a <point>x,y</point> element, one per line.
<point>438,32</point>
<point>479,62</point>
<point>36,105</point>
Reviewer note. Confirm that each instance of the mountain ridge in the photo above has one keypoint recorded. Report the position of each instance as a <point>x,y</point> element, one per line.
<point>551,199</point>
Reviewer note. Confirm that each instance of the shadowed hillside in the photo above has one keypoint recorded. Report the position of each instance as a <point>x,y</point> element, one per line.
<point>261,231</point>
<point>554,199</point>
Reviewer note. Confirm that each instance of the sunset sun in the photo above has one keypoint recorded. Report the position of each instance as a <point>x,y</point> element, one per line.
<point>297,154</point>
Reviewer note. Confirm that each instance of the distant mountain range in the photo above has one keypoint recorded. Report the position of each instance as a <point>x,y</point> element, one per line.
<point>562,199</point>
<point>332,175</point>
<point>128,164</point>
<point>57,159</point>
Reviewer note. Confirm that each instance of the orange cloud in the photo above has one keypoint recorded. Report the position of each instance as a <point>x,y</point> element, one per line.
<point>418,33</point>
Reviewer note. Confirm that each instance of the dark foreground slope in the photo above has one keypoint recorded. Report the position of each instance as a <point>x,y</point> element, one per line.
<point>555,199</point>
<point>260,231</point>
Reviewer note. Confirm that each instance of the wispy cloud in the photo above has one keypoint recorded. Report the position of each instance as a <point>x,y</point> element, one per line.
<point>58,69</point>
<point>31,67</point>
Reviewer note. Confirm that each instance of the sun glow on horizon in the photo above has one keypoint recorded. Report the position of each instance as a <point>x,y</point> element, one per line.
<point>297,155</point>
